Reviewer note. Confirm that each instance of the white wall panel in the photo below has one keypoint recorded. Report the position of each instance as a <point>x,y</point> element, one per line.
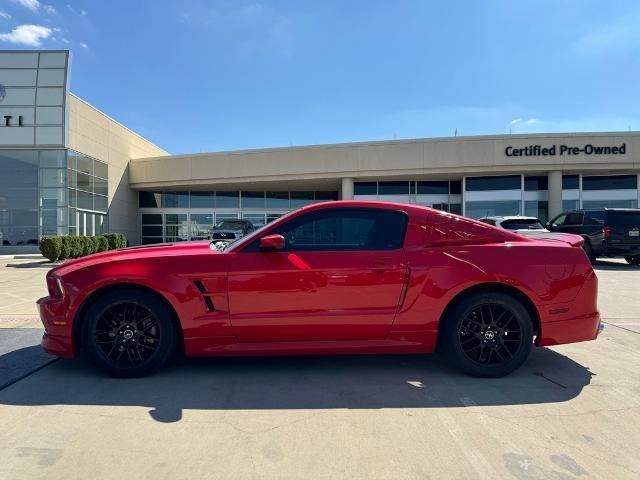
<point>18,60</point>
<point>51,96</point>
<point>18,78</point>
<point>49,135</point>
<point>51,78</point>
<point>49,115</point>
<point>16,136</point>
<point>18,96</point>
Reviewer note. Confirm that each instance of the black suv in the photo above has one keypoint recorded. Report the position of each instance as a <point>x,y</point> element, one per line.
<point>607,232</point>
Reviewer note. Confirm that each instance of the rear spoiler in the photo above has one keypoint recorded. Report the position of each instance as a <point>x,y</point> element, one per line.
<point>569,238</point>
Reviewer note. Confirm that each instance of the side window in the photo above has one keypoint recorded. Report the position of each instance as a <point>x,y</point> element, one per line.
<point>559,220</point>
<point>573,219</point>
<point>489,221</point>
<point>345,229</point>
<point>594,218</point>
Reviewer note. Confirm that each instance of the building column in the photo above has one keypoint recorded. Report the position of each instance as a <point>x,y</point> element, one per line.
<point>555,193</point>
<point>347,189</point>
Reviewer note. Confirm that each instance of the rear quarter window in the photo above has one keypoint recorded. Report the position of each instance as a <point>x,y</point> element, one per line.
<point>623,219</point>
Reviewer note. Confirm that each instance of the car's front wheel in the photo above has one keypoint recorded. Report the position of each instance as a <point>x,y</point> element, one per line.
<point>488,334</point>
<point>632,259</point>
<point>128,333</point>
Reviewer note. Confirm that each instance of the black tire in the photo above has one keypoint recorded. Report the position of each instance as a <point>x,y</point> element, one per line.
<point>476,335</point>
<point>128,333</point>
<point>589,251</point>
<point>632,259</point>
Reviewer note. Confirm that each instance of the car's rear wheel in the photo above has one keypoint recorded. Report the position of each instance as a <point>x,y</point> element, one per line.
<point>128,333</point>
<point>488,334</point>
<point>632,259</point>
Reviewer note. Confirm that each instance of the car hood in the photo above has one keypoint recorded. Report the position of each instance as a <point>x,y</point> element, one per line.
<point>135,253</point>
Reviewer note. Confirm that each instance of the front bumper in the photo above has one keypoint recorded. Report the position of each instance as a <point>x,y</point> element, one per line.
<point>57,339</point>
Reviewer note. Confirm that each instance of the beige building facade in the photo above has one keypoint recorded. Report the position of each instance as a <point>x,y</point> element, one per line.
<point>537,175</point>
<point>68,168</point>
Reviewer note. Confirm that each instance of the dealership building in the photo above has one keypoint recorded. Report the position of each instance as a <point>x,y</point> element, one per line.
<point>68,168</point>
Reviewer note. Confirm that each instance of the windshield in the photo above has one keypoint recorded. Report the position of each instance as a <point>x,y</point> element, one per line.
<point>522,224</point>
<point>255,233</point>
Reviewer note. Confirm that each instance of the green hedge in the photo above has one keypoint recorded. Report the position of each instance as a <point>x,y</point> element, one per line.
<point>70,246</point>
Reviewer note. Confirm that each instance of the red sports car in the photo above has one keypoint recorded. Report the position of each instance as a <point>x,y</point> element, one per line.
<point>333,278</point>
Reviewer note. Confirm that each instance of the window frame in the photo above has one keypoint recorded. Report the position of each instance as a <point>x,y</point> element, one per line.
<point>254,246</point>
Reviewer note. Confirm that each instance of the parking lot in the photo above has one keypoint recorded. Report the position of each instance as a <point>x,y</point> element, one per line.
<point>570,412</point>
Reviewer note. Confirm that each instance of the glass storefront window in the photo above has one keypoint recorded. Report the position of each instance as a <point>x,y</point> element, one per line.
<point>176,227</point>
<point>252,199</point>
<point>393,188</point>
<point>570,182</point>
<point>149,199</point>
<point>100,186</point>
<point>227,200</point>
<point>326,196</point>
<point>203,200</point>
<point>85,164</point>
<point>100,169</point>
<point>200,224</point>
<point>433,188</point>
<point>100,203</point>
<point>277,200</point>
<point>499,182</point>
<point>300,199</point>
<point>175,200</point>
<point>610,182</point>
<point>365,188</point>
<point>85,200</point>
<point>538,209</point>
<point>491,209</point>
<point>570,205</point>
<point>536,183</point>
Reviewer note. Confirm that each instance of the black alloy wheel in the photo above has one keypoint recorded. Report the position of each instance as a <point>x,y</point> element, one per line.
<point>128,333</point>
<point>489,335</point>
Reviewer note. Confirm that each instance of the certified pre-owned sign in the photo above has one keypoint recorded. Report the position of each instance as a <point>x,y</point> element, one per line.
<point>553,150</point>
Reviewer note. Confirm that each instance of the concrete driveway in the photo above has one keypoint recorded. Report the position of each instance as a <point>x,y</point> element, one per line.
<point>571,412</point>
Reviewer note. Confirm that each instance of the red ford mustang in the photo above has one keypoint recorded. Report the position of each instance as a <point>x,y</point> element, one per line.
<point>332,278</point>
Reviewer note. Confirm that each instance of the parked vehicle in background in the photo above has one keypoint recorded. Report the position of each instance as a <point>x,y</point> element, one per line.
<point>607,232</point>
<point>330,278</point>
<point>516,223</point>
<point>230,229</point>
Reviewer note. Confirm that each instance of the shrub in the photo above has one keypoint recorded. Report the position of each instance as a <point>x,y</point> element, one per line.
<point>51,248</point>
<point>102,243</point>
<point>86,245</point>
<point>76,247</point>
<point>65,251</point>
<point>111,238</point>
<point>70,246</point>
<point>121,240</point>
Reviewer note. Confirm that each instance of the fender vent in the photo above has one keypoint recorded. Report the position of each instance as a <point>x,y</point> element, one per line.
<point>209,303</point>
<point>199,286</point>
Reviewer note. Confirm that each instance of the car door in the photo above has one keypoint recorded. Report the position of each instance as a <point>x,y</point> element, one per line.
<point>339,277</point>
<point>569,222</point>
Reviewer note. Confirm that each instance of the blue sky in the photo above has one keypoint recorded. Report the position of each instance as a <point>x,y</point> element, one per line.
<point>211,75</point>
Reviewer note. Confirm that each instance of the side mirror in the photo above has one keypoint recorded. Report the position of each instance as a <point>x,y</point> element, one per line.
<point>272,242</point>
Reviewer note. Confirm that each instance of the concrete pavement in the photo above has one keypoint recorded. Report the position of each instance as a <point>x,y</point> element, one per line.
<point>571,412</point>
